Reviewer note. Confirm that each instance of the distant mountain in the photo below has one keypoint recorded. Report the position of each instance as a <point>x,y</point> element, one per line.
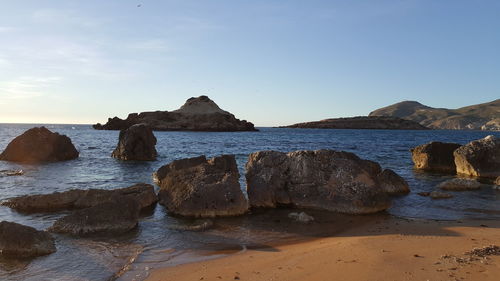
<point>362,122</point>
<point>485,116</point>
<point>197,114</point>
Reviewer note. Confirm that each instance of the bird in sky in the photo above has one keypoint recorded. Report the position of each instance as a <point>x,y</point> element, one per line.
<point>139,5</point>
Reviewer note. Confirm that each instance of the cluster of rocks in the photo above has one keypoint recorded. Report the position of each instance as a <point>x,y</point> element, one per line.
<point>323,179</point>
<point>479,159</point>
<point>98,212</point>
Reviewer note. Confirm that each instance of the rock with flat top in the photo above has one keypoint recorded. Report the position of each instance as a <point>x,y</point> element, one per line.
<point>435,156</point>
<point>479,158</point>
<point>116,216</point>
<point>137,143</point>
<point>440,195</point>
<point>197,114</point>
<point>78,199</point>
<point>198,187</point>
<point>20,241</point>
<point>323,179</point>
<point>38,145</point>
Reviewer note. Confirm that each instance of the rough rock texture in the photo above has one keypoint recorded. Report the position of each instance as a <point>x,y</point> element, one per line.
<point>435,156</point>
<point>116,216</point>
<point>460,184</point>
<point>197,114</point>
<point>362,122</point>
<point>136,143</point>
<point>440,195</point>
<point>484,116</point>
<point>39,145</point>
<point>323,179</point>
<point>392,183</point>
<point>78,199</point>
<point>199,187</point>
<point>301,217</point>
<point>17,240</point>
<point>479,158</point>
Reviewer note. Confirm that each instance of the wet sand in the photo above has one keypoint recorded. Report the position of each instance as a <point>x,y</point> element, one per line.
<point>382,249</point>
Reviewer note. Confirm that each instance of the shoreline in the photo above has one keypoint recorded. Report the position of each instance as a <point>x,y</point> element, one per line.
<point>381,248</point>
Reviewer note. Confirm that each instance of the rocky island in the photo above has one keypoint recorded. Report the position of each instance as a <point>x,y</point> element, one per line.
<point>197,114</point>
<point>485,116</point>
<point>361,122</point>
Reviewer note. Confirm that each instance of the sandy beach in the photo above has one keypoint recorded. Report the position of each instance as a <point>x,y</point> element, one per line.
<point>382,249</point>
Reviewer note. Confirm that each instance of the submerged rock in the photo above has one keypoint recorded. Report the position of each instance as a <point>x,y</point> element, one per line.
<point>11,173</point>
<point>39,145</point>
<point>198,225</point>
<point>440,195</point>
<point>116,216</point>
<point>301,217</point>
<point>199,187</point>
<point>136,143</point>
<point>460,184</point>
<point>197,114</point>
<point>435,156</point>
<point>479,158</point>
<point>78,199</point>
<point>20,241</point>
<point>324,179</point>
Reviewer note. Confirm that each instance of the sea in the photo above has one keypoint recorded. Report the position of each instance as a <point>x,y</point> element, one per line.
<point>161,239</point>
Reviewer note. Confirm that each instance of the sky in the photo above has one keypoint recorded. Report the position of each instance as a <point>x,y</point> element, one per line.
<point>271,62</point>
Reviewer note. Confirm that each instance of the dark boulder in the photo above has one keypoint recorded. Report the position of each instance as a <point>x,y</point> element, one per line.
<point>39,145</point>
<point>435,156</point>
<point>136,143</point>
<point>78,199</point>
<point>198,187</point>
<point>20,241</point>
<point>324,179</point>
<point>116,216</point>
<point>479,158</point>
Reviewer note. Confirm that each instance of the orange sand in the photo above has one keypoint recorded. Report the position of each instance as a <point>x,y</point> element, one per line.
<point>391,249</point>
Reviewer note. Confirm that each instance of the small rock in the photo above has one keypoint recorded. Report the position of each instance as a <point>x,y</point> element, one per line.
<point>440,195</point>
<point>301,217</point>
<point>425,194</point>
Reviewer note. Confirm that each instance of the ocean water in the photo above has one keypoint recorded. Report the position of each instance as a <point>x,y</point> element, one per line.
<point>158,241</point>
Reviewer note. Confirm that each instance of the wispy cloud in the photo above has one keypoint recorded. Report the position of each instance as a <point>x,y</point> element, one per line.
<point>26,87</point>
<point>65,17</point>
<point>150,45</point>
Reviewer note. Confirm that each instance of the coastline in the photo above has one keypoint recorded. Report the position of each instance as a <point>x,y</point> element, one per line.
<point>382,248</point>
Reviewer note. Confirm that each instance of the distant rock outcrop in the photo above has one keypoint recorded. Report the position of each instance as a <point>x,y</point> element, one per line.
<point>362,122</point>
<point>142,193</point>
<point>39,145</point>
<point>324,179</point>
<point>198,187</point>
<point>479,158</point>
<point>136,143</point>
<point>20,241</point>
<point>435,157</point>
<point>484,116</point>
<point>197,114</point>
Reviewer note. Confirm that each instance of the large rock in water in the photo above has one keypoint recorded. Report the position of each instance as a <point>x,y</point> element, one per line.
<point>459,184</point>
<point>435,156</point>
<point>119,215</point>
<point>479,158</point>
<point>142,193</point>
<point>197,114</point>
<point>324,179</point>
<point>136,143</point>
<point>20,241</point>
<point>39,145</point>
<point>199,187</point>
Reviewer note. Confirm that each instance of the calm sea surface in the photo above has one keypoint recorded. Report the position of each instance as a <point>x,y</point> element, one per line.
<point>159,242</point>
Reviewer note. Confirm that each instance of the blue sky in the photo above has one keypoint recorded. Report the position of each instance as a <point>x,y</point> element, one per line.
<point>270,62</point>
